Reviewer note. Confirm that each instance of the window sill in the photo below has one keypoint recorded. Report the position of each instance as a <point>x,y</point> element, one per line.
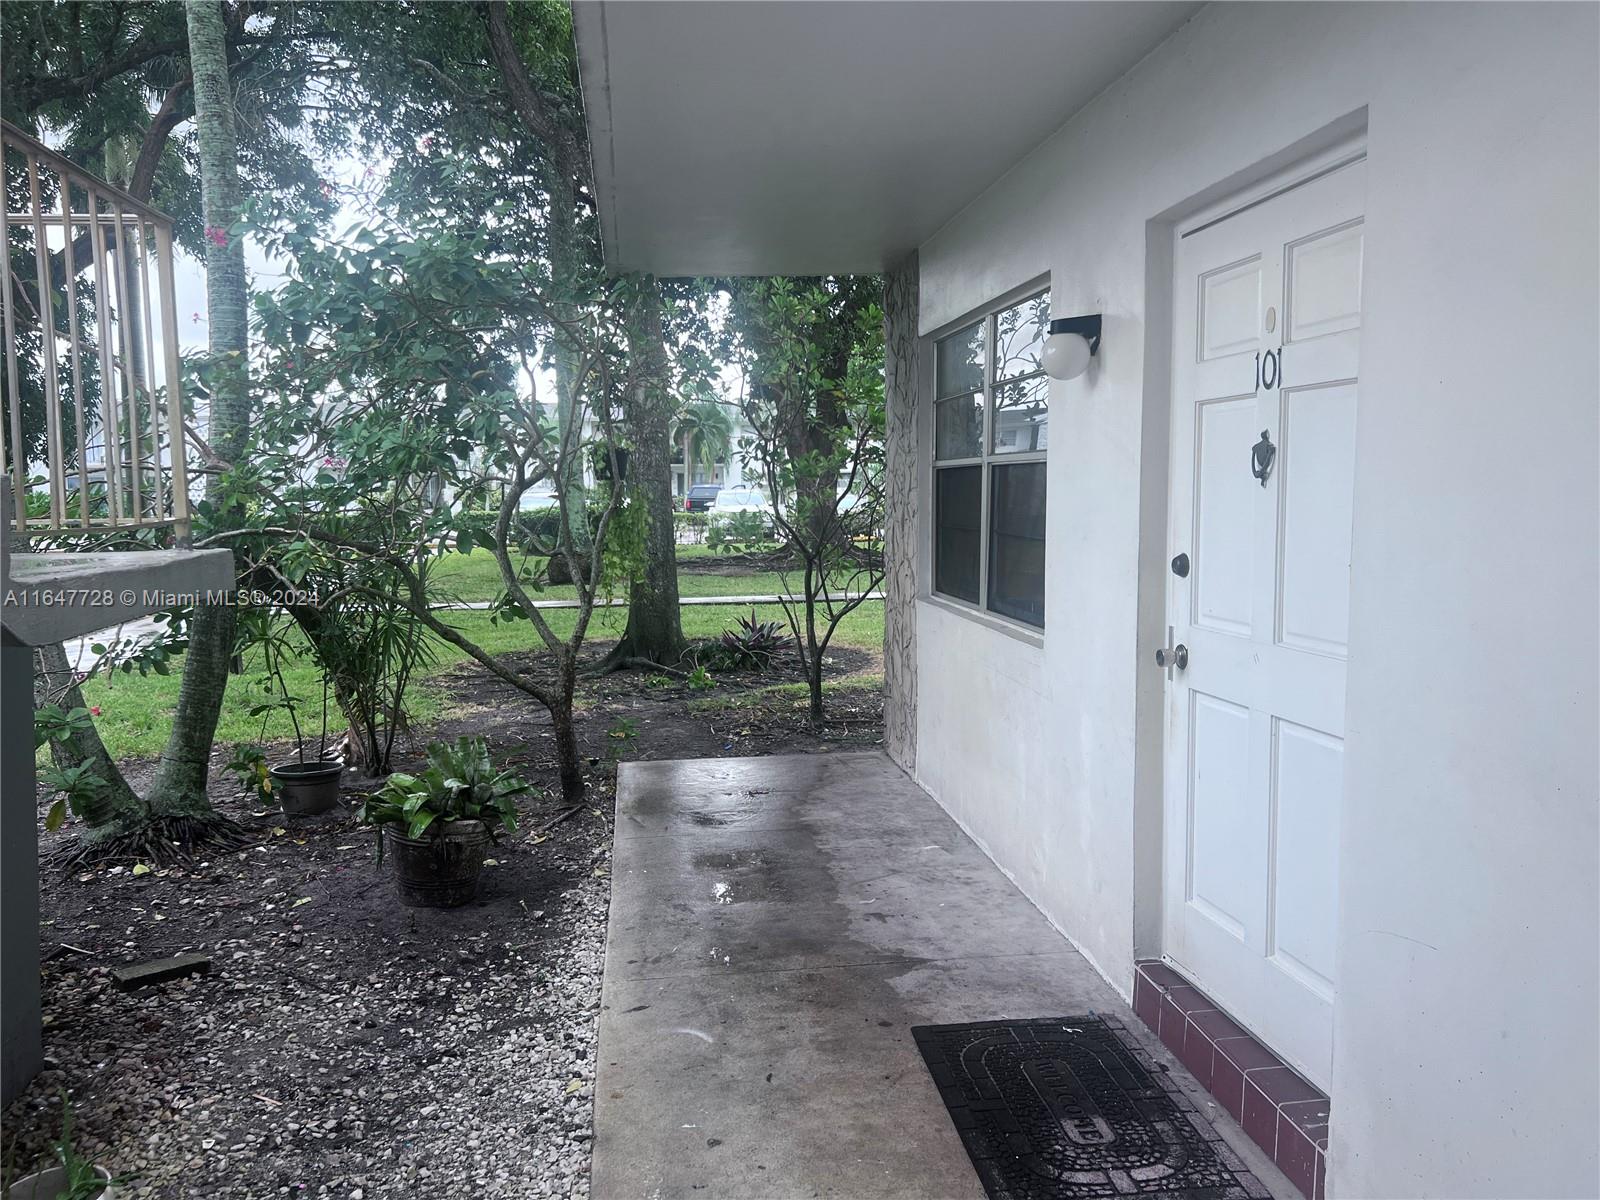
<point>1026,634</point>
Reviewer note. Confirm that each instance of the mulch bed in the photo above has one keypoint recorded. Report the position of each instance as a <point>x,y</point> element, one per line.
<point>343,1045</point>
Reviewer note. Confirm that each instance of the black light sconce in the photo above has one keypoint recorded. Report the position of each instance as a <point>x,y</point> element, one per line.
<point>1073,341</point>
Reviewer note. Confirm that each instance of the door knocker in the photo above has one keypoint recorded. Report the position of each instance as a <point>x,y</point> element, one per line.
<point>1261,456</point>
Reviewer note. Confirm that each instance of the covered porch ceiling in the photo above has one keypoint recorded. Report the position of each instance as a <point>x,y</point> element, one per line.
<point>798,137</point>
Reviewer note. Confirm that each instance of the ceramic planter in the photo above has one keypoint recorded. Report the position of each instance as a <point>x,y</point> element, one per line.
<point>305,789</point>
<point>52,1182</point>
<point>439,870</point>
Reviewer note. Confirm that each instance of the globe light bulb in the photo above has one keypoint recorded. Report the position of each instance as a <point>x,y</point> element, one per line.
<point>1066,355</point>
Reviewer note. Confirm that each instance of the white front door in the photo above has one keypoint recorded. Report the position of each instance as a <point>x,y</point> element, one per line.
<point>1267,325</point>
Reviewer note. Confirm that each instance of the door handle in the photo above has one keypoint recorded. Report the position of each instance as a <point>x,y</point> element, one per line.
<point>1178,657</point>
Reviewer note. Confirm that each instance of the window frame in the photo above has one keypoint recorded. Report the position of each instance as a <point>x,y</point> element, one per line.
<point>986,459</point>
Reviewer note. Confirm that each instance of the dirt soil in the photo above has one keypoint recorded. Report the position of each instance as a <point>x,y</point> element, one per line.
<point>341,1044</point>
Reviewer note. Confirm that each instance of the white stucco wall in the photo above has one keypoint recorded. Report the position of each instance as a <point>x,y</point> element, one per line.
<point>1465,1037</point>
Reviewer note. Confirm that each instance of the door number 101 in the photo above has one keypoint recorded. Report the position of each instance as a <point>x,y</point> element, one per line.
<point>1269,368</point>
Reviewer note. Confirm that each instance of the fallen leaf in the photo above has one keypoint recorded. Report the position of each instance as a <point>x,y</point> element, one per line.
<point>141,868</point>
<point>299,902</point>
<point>575,1086</point>
<point>278,831</point>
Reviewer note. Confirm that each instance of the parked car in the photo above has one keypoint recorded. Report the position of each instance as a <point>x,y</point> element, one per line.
<point>742,500</point>
<point>732,500</point>
<point>701,497</point>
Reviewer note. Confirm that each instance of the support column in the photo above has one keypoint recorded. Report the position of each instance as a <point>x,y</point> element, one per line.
<point>900,514</point>
<point>21,1029</point>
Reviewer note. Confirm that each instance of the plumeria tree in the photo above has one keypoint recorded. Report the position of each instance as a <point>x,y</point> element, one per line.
<point>398,416</point>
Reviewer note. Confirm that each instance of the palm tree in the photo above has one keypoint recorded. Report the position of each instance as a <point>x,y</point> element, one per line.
<point>178,791</point>
<point>705,430</point>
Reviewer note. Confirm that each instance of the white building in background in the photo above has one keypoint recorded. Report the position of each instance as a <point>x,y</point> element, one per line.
<point>1336,461</point>
<point>729,470</point>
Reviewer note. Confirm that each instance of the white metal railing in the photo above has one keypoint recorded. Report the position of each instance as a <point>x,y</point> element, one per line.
<point>90,442</point>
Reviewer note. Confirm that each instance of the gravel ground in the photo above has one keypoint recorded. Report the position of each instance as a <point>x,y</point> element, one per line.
<point>343,1045</point>
<point>338,1047</point>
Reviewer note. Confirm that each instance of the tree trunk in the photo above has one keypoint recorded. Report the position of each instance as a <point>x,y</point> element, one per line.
<point>568,167</point>
<point>118,807</point>
<point>655,627</point>
<point>565,265</point>
<point>813,652</point>
<point>568,764</point>
<point>179,787</point>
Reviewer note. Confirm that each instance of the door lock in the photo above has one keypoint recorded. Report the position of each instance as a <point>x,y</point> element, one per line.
<point>1177,656</point>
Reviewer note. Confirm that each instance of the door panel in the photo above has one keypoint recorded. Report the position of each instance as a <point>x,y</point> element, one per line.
<point>1220,824</point>
<point>1230,307</point>
<point>1223,504</point>
<point>1324,284</point>
<point>1266,338</point>
<point>1307,785</point>
<point>1318,451</point>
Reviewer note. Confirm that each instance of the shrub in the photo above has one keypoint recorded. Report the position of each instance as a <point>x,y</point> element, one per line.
<point>691,526</point>
<point>736,532</point>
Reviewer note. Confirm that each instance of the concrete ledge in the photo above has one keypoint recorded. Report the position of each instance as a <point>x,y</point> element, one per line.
<point>54,596</point>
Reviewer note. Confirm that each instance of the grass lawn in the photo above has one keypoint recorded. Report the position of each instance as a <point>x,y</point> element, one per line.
<point>476,576</point>
<point>135,710</point>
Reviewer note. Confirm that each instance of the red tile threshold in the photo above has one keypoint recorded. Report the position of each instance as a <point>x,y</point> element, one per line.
<point>1282,1113</point>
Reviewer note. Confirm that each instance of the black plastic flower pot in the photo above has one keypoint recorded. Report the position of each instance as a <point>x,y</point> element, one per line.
<point>305,789</point>
<point>440,869</point>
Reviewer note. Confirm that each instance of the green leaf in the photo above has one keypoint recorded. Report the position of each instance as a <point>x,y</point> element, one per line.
<point>57,814</point>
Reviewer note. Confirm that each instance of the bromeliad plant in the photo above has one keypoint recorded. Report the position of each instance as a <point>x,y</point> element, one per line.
<point>459,784</point>
<point>753,644</point>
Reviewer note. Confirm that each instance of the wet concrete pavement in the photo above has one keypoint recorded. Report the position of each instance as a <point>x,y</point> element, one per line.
<point>777,927</point>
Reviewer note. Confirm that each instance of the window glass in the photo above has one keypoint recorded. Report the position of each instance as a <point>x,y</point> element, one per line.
<point>960,362</point>
<point>1016,541</point>
<point>958,516</point>
<point>1019,335</point>
<point>958,427</point>
<point>1022,416</point>
<point>991,415</point>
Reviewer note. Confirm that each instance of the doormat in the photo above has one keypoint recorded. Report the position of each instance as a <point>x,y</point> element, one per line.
<point>1070,1108</point>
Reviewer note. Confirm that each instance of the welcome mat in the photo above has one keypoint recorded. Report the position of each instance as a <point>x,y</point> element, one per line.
<point>1070,1108</point>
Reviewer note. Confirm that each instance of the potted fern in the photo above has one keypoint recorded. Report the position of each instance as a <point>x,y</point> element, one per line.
<point>437,826</point>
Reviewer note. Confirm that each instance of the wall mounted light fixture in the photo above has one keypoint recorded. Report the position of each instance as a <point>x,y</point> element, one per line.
<point>1073,341</point>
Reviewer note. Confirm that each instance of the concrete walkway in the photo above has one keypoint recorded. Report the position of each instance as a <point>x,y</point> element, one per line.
<point>777,927</point>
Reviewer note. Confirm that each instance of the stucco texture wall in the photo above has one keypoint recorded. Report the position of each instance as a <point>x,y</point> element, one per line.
<point>1465,1039</point>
